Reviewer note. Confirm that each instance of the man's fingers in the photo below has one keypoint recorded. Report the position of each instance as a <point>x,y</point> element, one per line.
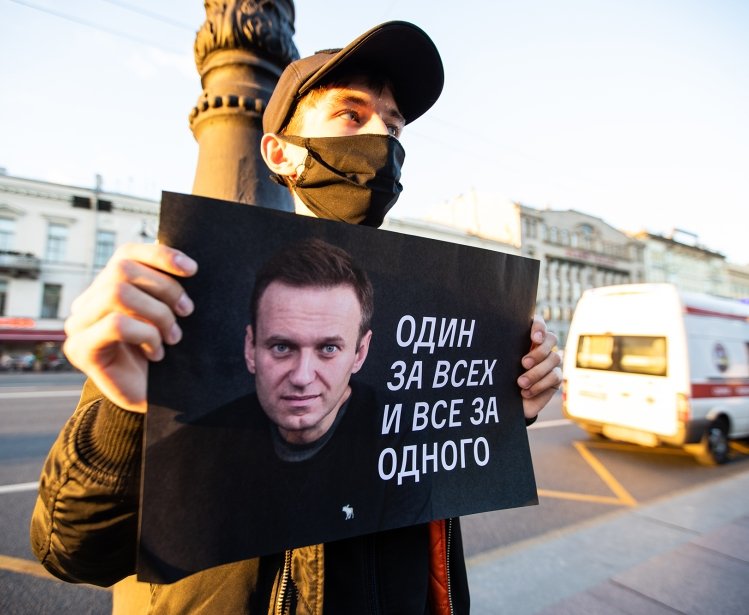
<point>145,267</point>
<point>157,256</point>
<point>107,288</point>
<point>128,301</point>
<point>98,347</point>
<point>541,352</point>
<point>122,321</point>
<point>547,371</point>
<point>137,289</point>
<point>532,384</point>
<point>538,331</point>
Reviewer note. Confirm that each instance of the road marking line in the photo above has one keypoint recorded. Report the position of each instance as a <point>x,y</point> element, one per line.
<point>19,487</point>
<point>606,476</point>
<point>32,394</point>
<point>622,495</point>
<point>610,445</point>
<point>34,569</point>
<point>581,497</point>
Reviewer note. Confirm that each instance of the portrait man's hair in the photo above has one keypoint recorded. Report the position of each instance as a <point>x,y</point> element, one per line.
<point>316,263</point>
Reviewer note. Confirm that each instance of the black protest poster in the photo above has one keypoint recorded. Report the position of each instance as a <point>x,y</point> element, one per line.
<point>433,428</point>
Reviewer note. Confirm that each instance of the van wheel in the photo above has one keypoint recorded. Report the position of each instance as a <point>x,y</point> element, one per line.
<point>714,445</point>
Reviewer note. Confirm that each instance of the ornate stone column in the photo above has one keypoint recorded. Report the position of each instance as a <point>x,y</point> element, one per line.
<point>240,52</point>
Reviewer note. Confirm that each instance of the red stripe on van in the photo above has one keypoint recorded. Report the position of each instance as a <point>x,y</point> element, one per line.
<point>719,389</point>
<point>695,311</point>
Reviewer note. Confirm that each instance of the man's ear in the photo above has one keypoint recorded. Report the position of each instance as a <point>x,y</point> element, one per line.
<point>249,349</point>
<point>281,157</point>
<point>362,351</point>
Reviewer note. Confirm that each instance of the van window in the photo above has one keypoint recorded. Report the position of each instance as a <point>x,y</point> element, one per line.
<point>632,354</point>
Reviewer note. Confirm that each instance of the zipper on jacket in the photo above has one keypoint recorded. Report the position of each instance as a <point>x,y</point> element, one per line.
<point>283,584</point>
<point>447,565</point>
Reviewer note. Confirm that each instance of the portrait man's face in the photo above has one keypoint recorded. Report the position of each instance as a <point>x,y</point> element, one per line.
<point>303,349</point>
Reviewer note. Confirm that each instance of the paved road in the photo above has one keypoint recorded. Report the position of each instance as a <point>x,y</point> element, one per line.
<point>579,481</point>
<point>33,407</point>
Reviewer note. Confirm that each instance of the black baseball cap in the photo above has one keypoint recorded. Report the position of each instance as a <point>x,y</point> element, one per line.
<point>399,51</point>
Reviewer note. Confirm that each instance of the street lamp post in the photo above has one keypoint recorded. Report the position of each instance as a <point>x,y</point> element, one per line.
<point>240,52</point>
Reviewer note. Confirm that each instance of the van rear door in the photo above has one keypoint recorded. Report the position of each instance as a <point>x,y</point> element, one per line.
<point>621,380</point>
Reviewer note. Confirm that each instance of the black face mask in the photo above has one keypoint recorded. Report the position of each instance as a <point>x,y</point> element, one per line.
<point>354,179</point>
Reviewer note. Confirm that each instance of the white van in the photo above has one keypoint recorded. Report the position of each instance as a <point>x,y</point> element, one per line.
<point>649,364</point>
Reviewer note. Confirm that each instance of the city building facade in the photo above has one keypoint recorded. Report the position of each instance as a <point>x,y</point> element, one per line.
<point>54,239</point>
<point>738,281</point>
<point>679,259</point>
<point>577,252</point>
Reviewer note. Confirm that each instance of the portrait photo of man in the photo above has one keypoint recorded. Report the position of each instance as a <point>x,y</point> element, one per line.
<point>302,447</point>
<point>310,332</point>
<point>300,409</point>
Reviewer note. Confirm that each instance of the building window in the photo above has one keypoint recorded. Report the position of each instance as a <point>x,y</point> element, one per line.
<point>7,233</point>
<point>3,296</point>
<point>83,202</point>
<point>51,300</point>
<point>104,248</point>
<point>587,235</point>
<point>530,227</point>
<point>57,239</point>
<point>102,205</point>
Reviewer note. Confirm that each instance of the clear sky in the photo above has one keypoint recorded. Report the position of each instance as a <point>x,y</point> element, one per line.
<point>636,112</point>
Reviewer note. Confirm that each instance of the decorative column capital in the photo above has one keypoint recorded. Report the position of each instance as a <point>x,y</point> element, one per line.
<point>250,36</point>
<point>240,52</point>
<point>264,27</point>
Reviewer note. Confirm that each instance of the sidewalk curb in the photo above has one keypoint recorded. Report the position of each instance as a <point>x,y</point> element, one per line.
<point>529,577</point>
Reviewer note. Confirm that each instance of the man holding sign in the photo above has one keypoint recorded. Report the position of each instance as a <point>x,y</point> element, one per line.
<point>332,128</point>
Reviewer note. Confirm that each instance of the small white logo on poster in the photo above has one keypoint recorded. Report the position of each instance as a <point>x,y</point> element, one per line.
<point>349,511</point>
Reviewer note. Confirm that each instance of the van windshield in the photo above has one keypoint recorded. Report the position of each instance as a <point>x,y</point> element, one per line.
<point>632,354</point>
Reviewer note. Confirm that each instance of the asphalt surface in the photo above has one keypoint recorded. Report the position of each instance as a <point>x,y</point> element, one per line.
<point>688,553</point>
<point>684,553</point>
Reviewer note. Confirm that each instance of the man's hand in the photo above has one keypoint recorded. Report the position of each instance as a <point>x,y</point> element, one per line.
<point>543,374</point>
<point>125,317</point>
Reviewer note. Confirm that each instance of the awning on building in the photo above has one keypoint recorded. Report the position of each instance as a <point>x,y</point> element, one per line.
<point>31,335</point>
